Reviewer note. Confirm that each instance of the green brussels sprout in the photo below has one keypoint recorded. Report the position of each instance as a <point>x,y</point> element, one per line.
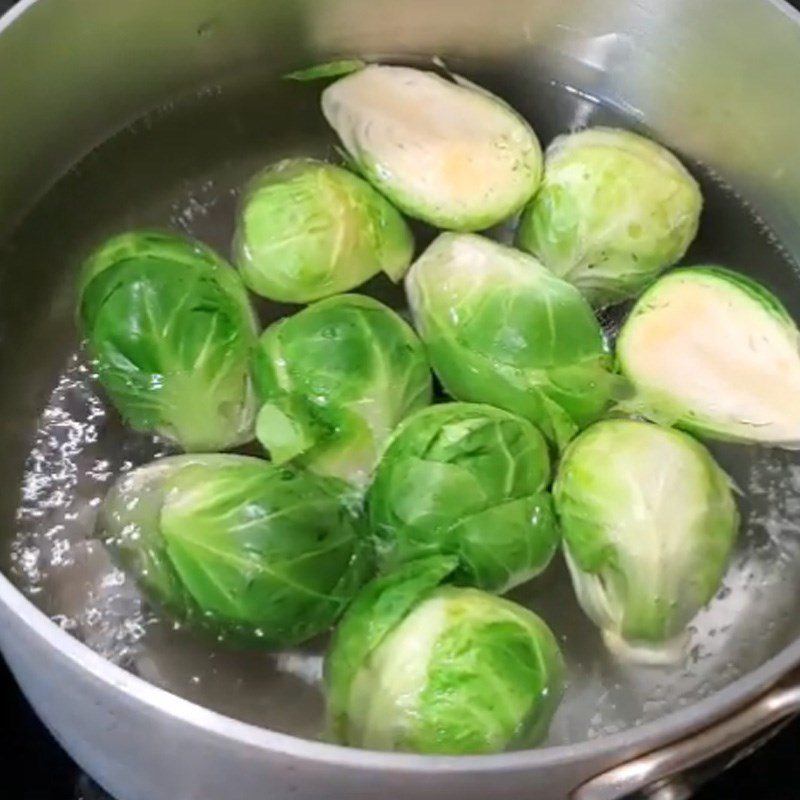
<point>308,230</point>
<point>614,210</point>
<point>470,481</point>
<point>335,379</point>
<point>235,546</point>
<point>501,329</point>
<point>444,151</point>
<point>649,522</point>
<point>171,333</point>
<point>417,668</point>
<point>716,353</point>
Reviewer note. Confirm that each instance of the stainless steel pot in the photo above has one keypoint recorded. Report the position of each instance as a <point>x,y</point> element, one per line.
<point>720,81</point>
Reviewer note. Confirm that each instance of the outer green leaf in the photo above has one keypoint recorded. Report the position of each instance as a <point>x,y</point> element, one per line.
<point>335,380</point>
<point>461,672</point>
<point>715,353</point>
<point>649,522</point>
<point>614,210</point>
<point>375,612</point>
<point>501,329</point>
<point>308,230</point>
<point>171,332</point>
<point>442,151</point>
<point>495,678</point>
<point>466,480</point>
<point>507,544</point>
<point>253,552</point>
<point>129,522</point>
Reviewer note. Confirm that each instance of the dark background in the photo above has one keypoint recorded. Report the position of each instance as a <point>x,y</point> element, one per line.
<point>33,766</point>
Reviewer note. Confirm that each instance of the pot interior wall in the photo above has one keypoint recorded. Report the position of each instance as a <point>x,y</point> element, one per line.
<point>166,136</point>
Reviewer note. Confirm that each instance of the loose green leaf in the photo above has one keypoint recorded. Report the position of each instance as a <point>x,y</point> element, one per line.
<point>330,69</point>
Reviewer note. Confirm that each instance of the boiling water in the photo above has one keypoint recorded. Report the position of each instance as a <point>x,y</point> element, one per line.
<point>183,168</point>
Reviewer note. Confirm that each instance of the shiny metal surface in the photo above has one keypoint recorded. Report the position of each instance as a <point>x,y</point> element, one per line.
<point>722,87</point>
<point>669,773</point>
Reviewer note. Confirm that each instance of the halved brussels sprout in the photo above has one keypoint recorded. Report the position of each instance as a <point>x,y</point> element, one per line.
<point>614,210</point>
<point>714,352</point>
<point>307,230</point>
<point>335,379</point>
<point>171,332</point>
<point>446,152</point>
<point>649,522</point>
<point>470,481</point>
<point>434,670</point>
<point>501,329</point>
<point>258,554</point>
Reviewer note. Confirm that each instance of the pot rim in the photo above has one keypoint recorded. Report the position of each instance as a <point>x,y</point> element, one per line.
<point>624,744</point>
<point>627,743</point>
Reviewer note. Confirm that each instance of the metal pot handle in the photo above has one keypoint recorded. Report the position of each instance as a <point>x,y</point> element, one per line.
<point>674,772</point>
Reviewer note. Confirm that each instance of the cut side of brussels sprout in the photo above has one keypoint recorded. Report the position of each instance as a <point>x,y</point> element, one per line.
<point>234,546</point>
<point>501,329</point>
<point>614,210</point>
<point>714,352</point>
<point>171,332</point>
<point>466,480</point>
<point>334,381</point>
<point>440,671</point>
<point>444,152</point>
<point>649,522</point>
<point>307,230</point>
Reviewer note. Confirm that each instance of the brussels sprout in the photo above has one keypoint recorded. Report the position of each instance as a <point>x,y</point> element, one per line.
<point>466,480</point>
<point>446,152</point>
<point>334,380</point>
<point>434,670</point>
<point>171,331</point>
<point>613,211</point>
<point>649,521</point>
<point>259,554</point>
<point>715,353</point>
<point>308,230</point>
<point>501,329</point>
